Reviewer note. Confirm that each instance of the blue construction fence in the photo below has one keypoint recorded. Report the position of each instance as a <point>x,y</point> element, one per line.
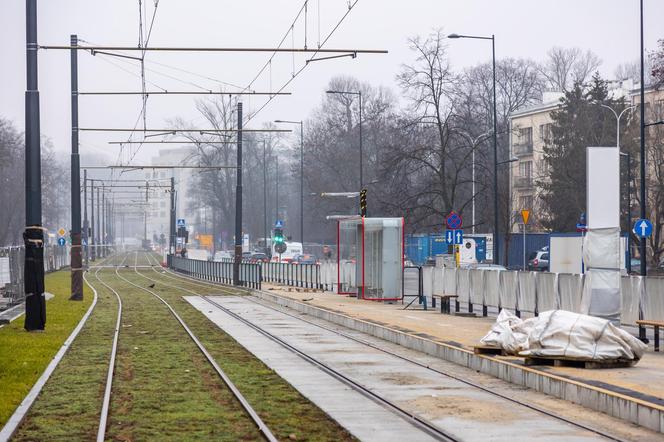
<point>424,247</point>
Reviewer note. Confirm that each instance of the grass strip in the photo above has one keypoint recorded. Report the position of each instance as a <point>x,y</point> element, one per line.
<point>23,355</point>
<point>164,388</point>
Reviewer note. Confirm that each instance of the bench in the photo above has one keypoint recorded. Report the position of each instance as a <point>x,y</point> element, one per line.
<point>654,324</point>
<point>444,302</point>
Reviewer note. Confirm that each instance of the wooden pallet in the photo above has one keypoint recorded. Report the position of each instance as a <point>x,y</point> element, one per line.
<point>570,362</point>
<point>489,350</point>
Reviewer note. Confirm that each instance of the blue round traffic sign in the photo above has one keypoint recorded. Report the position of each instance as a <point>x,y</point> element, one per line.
<point>61,241</point>
<point>642,228</point>
<point>453,221</point>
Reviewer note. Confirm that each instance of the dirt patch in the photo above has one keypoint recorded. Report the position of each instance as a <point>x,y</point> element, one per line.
<point>403,379</point>
<point>435,407</point>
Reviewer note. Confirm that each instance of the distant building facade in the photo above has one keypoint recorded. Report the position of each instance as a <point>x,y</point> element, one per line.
<point>530,130</point>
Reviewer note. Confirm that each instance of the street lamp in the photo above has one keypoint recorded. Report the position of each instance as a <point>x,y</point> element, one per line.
<point>359,94</point>
<point>495,141</point>
<point>629,174</point>
<point>473,145</point>
<point>301,123</point>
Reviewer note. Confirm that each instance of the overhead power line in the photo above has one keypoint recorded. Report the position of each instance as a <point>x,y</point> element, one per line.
<point>167,92</point>
<point>214,49</point>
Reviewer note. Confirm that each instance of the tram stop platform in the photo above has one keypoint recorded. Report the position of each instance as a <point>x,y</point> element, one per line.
<point>634,394</point>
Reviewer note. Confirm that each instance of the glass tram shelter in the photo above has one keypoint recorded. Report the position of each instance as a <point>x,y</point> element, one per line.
<point>370,254</point>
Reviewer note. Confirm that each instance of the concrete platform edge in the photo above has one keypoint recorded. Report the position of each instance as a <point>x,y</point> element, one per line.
<point>614,404</point>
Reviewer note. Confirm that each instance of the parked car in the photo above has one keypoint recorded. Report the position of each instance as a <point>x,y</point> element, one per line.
<point>222,255</point>
<point>539,261</point>
<point>487,266</point>
<point>259,257</point>
<point>305,259</point>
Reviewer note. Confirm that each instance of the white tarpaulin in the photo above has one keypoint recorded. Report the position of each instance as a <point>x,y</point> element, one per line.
<point>559,333</point>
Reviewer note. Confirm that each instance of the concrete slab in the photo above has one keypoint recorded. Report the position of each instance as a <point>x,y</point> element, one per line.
<point>465,411</point>
<point>335,398</point>
<point>640,404</point>
<point>645,380</point>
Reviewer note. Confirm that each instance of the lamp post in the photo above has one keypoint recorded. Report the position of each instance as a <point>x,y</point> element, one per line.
<point>473,145</point>
<point>629,174</point>
<point>642,123</point>
<point>359,94</point>
<point>301,123</point>
<point>495,142</point>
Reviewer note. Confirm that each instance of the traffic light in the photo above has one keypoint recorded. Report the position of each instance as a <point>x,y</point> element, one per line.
<point>278,235</point>
<point>279,243</point>
<point>363,202</point>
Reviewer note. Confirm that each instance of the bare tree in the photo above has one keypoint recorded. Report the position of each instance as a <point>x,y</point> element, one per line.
<point>566,66</point>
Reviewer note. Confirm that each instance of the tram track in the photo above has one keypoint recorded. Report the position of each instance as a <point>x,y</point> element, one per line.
<point>103,420</point>
<point>183,279</point>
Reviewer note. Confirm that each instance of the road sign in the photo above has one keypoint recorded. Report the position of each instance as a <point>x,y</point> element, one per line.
<point>453,237</point>
<point>525,215</point>
<point>62,231</point>
<point>62,241</point>
<point>581,227</point>
<point>85,242</point>
<point>643,228</point>
<point>180,222</point>
<point>453,221</point>
<point>279,224</point>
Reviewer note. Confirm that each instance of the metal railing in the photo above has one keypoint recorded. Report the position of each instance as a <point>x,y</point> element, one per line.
<point>522,149</point>
<point>297,275</point>
<point>216,271</point>
<point>523,181</point>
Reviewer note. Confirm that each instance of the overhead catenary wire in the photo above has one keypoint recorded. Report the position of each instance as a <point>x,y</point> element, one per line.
<point>167,92</point>
<point>220,49</point>
<point>315,51</point>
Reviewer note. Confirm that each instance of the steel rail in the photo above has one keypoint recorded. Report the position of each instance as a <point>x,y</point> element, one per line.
<point>420,364</point>
<point>262,427</point>
<point>103,418</point>
<point>16,419</point>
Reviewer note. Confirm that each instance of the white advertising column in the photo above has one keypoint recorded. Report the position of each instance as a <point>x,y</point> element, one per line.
<point>601,246</point>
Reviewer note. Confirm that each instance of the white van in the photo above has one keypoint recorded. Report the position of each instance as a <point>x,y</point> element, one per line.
<point>292,250</point>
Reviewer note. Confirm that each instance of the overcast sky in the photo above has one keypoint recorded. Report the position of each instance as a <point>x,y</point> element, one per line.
<point>523,28</point>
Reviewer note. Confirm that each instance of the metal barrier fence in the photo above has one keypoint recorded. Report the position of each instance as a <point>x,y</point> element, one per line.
<point>11,270</point>
<point>298,275</point>
<point>534,292</point>
<point>521,292</point>
<point>214,271</point>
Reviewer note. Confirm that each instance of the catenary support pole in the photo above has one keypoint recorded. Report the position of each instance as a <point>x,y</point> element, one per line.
<point>361,153</point>
<point>238,201</point>
<point>33,269</point>
<point>97,230</point>
<point>171,230</point>
<point>102,219</point>
<point>76,255</point>
<point>276,188</point>
<point>302,179</point>
<point>267,250</point>
<point>93,226</point>
<point>642,243</point>
<point>496,248</point>
<point>86,226</point>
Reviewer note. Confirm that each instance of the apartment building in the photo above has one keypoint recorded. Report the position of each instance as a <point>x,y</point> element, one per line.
<point>530,129</point>
<point>158,213</point>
